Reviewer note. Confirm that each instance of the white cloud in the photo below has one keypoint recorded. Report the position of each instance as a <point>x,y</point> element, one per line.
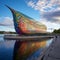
<point>31,4</point>
<point>50,25</point>
<point>44,5</point>
<point>6,24</point>
<point>7,21</point>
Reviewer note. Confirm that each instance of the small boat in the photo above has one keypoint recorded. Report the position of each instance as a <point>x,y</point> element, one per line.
<point>25,25</point>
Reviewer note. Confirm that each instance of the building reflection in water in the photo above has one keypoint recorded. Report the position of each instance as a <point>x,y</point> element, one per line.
<point>28,50</point>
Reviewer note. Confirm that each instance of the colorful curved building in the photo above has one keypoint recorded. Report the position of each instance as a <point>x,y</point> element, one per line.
<point>25,25</point>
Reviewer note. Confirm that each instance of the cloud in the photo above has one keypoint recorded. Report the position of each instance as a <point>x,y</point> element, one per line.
<point>6,21</point>
<point>31,3</point>
<point>52,16</point>
<point>49,11</point>
<point>50,25</point>
<point>44,5</point>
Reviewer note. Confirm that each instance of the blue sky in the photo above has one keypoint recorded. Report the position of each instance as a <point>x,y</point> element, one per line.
<point>44,11</point>
<point>19,5</point>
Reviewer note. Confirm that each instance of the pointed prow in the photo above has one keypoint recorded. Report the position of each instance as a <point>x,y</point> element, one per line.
<point>12,10</point>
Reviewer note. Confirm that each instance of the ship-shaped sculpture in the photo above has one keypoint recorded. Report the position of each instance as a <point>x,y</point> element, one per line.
<point>25,25</point>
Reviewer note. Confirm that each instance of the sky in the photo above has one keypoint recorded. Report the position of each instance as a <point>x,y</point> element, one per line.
<point>44,11</point>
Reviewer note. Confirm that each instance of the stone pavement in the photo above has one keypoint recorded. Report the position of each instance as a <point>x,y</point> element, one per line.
<point>53,51</point>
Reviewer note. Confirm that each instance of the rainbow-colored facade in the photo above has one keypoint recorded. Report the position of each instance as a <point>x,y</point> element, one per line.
<point>26,25</point>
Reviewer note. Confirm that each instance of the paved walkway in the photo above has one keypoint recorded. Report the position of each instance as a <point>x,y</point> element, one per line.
<point>53,51</point>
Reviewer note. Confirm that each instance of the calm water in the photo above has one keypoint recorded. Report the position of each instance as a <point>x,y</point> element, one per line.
<point>7,48</point>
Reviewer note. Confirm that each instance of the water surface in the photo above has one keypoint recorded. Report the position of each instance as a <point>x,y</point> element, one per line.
<point>8,47</point>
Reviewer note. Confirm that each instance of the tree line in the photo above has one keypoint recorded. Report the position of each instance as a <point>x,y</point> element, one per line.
<point>3,32</point>
<point>56,31</point>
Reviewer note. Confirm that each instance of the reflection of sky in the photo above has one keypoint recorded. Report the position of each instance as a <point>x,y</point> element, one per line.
<point>6,50</point>
<point>35,55</point>
<point>1,39</point>
<point>48,42</point>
